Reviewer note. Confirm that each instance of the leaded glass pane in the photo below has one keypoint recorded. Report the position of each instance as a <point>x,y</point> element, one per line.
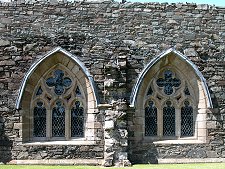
<point>150,91</point>
<point>168,82</point>
<point>186,91</point>
<point>39,120</point>
<point>39,91</point>
<point>151,120</point>
<point>168,88</point>
<point>58,120</point>
<point>77,120</point>
<point>187,120</point>
<point>78,93</point>
<point>58,82</point>
<point>169,120</point>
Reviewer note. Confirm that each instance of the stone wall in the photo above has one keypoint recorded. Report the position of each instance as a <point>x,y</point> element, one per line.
<point>38,152</point>
<point>150,153</point>
<point>114,41</point>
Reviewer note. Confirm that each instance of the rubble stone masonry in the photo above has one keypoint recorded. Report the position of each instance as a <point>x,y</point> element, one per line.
<point>115,41</point>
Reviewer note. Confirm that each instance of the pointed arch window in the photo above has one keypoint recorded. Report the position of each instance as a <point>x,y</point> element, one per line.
<point>172,77</point>
<point>173,115</point>
<point>62,99</point>
<point>58,101</point>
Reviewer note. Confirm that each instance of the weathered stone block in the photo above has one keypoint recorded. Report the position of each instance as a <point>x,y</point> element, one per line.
<point>18,126</point>
<point>197,153</point>
<point>108,163</point>
<point>211,125</point>
<point>7,63</point>
<point>6,20</point>
<point>23,156</point>
<point>212,154</point>
<point>109,124</point>
<point>190,52</point>
<point>223,154</point>
<point>123,142</point>
<point>4,42</point>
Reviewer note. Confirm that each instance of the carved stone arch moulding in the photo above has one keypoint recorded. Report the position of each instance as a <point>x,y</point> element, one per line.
<point>56,56</point>
<point>182,58</point>
<point>58,82</point>
<point>177,87</point>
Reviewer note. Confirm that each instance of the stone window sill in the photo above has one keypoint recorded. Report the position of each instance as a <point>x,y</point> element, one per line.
<point>72,142</point>
<point>170,140</point>
<point>179,142</point>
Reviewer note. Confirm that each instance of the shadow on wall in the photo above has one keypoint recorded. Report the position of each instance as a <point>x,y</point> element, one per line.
<point>5,144</point>
<point>144,154</point>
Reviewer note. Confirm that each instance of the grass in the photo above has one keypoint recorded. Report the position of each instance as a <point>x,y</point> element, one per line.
<point>150,166</point>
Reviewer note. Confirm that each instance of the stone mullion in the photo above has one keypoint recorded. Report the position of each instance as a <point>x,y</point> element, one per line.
<point>160,122</point>
<point>67,124</point>
<point>178,122</point>
<point>49,124</point>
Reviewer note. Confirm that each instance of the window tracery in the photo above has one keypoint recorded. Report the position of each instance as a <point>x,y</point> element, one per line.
<point>57,76</point>
<point>173,115</point>
<point>168,82</point>
<point>58,90</point>
<point>150,91</point>
<point>186,91</point>
<point>39,91</point>
<point>59,82</point>
<point>192,88</point>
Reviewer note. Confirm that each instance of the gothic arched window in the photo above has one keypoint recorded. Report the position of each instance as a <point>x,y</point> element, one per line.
<point>175,117</point>
<point>58,100</point>
<point>171,99</point>
<point>61,93</point>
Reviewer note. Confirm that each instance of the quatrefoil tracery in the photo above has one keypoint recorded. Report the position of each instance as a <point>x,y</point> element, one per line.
<point>168,82</point>
<point>59,82</point>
